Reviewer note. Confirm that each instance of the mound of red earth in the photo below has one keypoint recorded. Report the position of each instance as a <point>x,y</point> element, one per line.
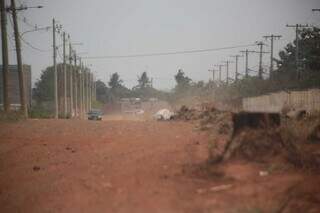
<point>265,142</point>
<point>257,136</point>
<point>254,145</point>
<point>186,114</point>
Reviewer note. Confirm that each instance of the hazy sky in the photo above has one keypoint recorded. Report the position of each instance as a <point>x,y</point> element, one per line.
<point>122,27</point>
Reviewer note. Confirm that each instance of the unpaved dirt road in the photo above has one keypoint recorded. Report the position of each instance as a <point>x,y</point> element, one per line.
<point>124,166</point>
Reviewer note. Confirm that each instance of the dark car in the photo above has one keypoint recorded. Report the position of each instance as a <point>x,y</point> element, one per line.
<point>95,115</point>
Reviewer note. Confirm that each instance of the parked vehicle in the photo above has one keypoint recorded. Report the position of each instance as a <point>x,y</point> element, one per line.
<point>95,115</point>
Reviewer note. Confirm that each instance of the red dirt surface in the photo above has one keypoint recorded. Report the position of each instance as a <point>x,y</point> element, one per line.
<point>127,166</point>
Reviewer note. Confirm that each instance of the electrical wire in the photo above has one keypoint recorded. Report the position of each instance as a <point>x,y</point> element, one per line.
<point>12,42</point>
<point>24,21</point>
<point>31,46</point>
<point>26,42</point>
<point>168,53</point>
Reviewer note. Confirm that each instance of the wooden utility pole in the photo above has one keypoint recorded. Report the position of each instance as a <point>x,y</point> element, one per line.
<point>5,57</point>
<point>87,90</point>
<point>246,52</point>
<point>272,37</point>
<point>227,62</point>
<point>76,80</point>
<point>213,70</point>
<point>260,44</point>
<point>84,90</point>
<point>237,61</point>
<point>220,70</point>
<point>64,77</point>
<point>297,28</point>
<point>22,88</point>
<point>81,89</point>
<point>55,74</point>
<point>95,88</point>
<point>90,91</point>
<point>71,79</point>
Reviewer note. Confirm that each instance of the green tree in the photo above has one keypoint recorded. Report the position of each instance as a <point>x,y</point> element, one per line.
<point>101,91</point>
<point>44,87</point>
<point>115,81</point>
<point>309,55</point>
<point>143,80</point>
<point>181,79</point>
<point>117,90</point>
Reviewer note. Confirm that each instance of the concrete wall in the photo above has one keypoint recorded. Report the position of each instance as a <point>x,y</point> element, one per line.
<point>13,81</point>
<point>275,102</point>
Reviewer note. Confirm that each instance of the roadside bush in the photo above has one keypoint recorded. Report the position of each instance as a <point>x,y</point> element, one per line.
<point>302,142</point>
<point>11,116</point>
<point>97,105</point>
<point>38,112</point>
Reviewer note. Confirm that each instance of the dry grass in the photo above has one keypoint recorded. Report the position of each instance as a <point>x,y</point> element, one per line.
<point>11,116</point>
<point>302,143</point>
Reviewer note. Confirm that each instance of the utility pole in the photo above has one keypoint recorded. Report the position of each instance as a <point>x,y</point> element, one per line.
<point>84,90</point>
<point>213,70</point>
<point>246,52</point>
<point>237,60</point>
<point>86,86</point>
<point>260,44</point>
<point>272,37</point>
<point>5,57</point>
<point>64,76</point>
<point>92,89</point>
<point>227,62</point>
<point>76,85</point>
<point>81,90</point>
<point>22,87</point>
<point>89,91</point>
<point>55,70</point>
<point>220,70</point>
<point>70,78</point>
<point>297,28</point>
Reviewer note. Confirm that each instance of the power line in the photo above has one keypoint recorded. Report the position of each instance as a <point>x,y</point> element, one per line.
<point>32,46</point>
<point>271,37</point>
<point>24,21</point>
<point>168,53</point>
<point>297,51</point>
<point>28,43</point>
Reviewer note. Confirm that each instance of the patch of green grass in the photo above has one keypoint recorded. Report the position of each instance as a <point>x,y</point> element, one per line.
<point>40,113</point>
<point>97,105</point>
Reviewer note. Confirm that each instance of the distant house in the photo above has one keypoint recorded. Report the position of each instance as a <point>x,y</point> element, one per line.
<point>13,81</point>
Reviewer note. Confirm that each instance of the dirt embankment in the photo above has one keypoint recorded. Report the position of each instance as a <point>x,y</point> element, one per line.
<point>282,145</point>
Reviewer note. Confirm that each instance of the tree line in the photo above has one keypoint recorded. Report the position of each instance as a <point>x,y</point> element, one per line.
<point>284,77</point>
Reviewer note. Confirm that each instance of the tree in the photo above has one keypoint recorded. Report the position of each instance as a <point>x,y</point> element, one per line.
<point>309,55</point>
<point>101,91</point>
<point>181,79</point>
<point>117,90</point>
<point>115,81</point>
<point>183,82</point>
<point>44,87</point>
<point>143,81</point>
